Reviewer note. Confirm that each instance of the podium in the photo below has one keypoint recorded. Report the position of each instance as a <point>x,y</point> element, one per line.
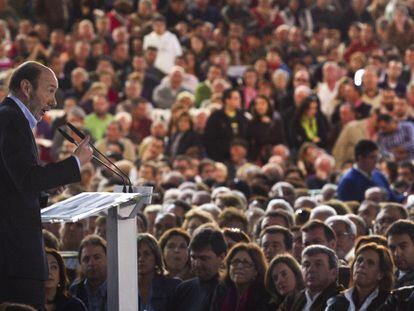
<point>121,234</point>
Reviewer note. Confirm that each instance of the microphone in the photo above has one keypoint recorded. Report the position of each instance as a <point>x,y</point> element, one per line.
<point>82,136</point>
<point>70,139</point>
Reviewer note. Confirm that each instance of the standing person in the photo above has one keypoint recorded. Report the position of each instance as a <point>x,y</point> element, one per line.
<point>224,125</point>
<point>23,181</point>
<point>364,175</point>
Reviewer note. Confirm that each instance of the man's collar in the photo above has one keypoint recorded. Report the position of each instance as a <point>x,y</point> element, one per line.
<point>27,113</point>
<point>366,174</point>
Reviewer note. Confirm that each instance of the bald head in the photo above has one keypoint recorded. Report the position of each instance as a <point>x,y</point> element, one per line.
<point>29,71</point>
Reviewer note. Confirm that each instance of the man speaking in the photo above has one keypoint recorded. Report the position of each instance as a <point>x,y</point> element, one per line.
<point>23,265</point>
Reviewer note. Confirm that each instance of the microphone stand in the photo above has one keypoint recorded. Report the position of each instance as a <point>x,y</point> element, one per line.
<point>70,139</point>
<point>82,136</point>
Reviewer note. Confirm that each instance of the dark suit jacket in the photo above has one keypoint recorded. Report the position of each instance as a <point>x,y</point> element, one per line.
<point>218,134</point>
<point>22,179</point>
<point>297,302</point>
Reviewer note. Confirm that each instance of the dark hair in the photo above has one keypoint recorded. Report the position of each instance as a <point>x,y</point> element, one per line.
<point>227,94</point>
<point>305,106</point>
<point>257,256</point>
<point>402,226</point>
<point>364,147</point>
<point>386,264</point>
<point>51,241</point>
<point>313,250</point>
<point>144,220</point>
<point>155,249</point>
<point>94,240</point>
<point>252,107</point>
<point>293,265</point>
<point>385,118</point>
<point>185,115</point>
<point>315,224</point>
<point>29,71</point>
<point>61,290</point>
<point>171,233</point>
<point>287,235</point>
<point>209,238</point>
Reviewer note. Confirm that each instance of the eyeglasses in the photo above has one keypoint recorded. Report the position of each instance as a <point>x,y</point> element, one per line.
<point>241,263</point>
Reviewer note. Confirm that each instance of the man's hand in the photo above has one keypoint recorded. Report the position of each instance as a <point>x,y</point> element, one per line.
<point>83,151</point>
<point>56,191</point>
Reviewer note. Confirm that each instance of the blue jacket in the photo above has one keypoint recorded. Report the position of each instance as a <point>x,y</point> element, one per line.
<point>353,185</point>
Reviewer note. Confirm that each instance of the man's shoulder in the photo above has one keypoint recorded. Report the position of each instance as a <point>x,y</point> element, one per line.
<point>9,111</point>
<point>189,283</point>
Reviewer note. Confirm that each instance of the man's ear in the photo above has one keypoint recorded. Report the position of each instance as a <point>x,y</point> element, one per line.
<point>26,88</point>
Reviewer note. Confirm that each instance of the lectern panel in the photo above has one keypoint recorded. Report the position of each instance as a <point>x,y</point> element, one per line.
<point>87,204</point>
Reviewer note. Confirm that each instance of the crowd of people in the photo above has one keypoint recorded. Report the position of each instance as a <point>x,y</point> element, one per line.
<point>278,136</point>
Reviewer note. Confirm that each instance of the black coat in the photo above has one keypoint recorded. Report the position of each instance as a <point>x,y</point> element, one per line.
<point>218,134</point>
<point>406,280</point>
<point>162,291</point>
<point>340,303</point>
<point>22,180</point>
<point>262,136</point>
<point>193,295</point>
<point>297,302</point>
<point>188,140</point>
<point>401,299</point>
<point>298,136</point>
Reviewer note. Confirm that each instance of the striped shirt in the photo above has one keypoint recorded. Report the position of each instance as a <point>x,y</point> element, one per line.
<point>402,137</point>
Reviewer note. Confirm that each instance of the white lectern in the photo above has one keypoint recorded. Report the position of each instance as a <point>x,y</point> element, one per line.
<point>121,210</point>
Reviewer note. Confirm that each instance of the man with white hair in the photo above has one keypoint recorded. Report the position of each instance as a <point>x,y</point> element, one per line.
<point>166,42</point>
<point>322,212</point>
<point>345,231</point>
<point>165,95</point>
<point>324,167</point>
<point>328,89</point>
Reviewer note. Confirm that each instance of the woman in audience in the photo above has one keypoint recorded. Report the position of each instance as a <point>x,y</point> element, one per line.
<point>265,129</point>
<point>154,288</point>
<point>309,124</point>
<point>185,140</point>
<point>372,274</point>
<point>283,277</point>
<point>242,286</point>
<point>174,247</point>
<point>57,295</point>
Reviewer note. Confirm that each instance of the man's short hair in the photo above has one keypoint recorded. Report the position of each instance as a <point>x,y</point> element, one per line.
<point>313,250</point>
<point>209,238</point>
<point>29,71</point>
<point>315,224</point>
<point>287,235</point>
<point>227,94</point>
<point>402,226</point>
<point>364,147</point>
<point>93,240</point>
